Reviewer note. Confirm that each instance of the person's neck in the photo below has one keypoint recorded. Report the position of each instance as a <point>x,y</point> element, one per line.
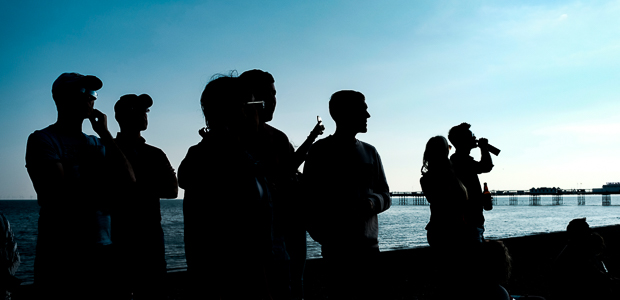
<point>345,135</point>
<point>69,124</point>
<point>130,134</point>
<point>460,151</point>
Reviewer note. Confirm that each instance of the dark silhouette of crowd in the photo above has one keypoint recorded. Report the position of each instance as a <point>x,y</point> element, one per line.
<point>247,207</point>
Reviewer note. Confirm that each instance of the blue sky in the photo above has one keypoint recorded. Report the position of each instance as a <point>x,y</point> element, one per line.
<point>539,79</point>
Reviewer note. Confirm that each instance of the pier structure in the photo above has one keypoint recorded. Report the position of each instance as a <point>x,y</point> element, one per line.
<point>557,196</point>
<point>513,200</point>
<point>417,198</point>
<point>581,199</point>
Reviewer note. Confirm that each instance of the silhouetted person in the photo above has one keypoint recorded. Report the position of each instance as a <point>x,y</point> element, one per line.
<point>447,230</point>
<point>446,194</point>
<point>72,173</point>
<point>9,260</point>
<point>346,190</point>
<point>579,271</point>
<point>281,162</point>
<point>490,268</point>
<point>136,219</point>
<point>227,206</point>
<point>467,170</point>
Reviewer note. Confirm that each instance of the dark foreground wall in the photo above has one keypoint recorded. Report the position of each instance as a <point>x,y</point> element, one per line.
<point>409,271</point>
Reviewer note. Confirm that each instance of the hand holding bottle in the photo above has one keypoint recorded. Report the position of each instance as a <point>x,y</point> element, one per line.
<point>483,144</point>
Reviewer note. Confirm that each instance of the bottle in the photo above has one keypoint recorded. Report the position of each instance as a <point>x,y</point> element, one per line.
<point>493,150</point>
<point>487,199</point>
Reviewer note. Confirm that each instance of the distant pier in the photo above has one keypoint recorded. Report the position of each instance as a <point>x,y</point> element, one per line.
<point>417,198</point>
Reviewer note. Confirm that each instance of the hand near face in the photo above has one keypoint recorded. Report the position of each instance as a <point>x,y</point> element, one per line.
<point>483,143</point>
<point>99,122</point>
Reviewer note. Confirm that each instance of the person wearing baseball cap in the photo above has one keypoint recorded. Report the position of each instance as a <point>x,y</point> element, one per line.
<point>136,222</point>
<point>71,173</point>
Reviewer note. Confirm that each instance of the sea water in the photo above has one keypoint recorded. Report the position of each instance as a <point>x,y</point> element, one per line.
<point>400,227</point>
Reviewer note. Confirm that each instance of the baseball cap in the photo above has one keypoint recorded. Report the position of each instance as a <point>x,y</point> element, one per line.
<point>68,83</point>
<point>133,102</point>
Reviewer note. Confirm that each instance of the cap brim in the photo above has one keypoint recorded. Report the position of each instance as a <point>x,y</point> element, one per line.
<point>91,82</point>
<point>145,100</point>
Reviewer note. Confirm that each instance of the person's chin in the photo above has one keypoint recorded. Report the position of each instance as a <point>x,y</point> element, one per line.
<point>266,118</point>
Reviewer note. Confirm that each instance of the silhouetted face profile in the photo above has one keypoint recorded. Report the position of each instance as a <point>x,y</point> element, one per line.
<point>262,86</point>
<point>82,105</point>
<point>131,112</point>
<point>462,137</point>
<point>250,113</point>
<point>359,116</point>
<point>270,102</point>
<point>350,111</point>
<point>75,94</point>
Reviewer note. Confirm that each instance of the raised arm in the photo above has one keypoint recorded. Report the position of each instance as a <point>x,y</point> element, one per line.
<point>120,169</point>
<point>486,163</point>
<point>302,151</point>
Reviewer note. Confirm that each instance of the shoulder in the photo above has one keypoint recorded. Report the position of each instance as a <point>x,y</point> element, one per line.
<point>367,147</point>
<point>42,144</point>
<point>92,140</point>
<point>153,149</point>
<point>195,149</point>
<point>153,152</point>
<point>202,150</point>
<point>45,134</point>
<point>275,132</point>
<point>323,143</point>
<point>461,158</point>
<point>276,136</point>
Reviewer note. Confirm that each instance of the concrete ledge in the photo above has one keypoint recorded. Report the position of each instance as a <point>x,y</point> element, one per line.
<point>409,271</point>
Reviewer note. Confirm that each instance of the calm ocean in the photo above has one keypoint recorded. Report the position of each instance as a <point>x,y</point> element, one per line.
<point>401,227</point>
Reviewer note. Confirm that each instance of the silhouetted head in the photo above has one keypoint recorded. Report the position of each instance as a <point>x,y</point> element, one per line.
<point>583,238</point>
<point>436,154</point>
<point>461,137</point>
<point>130,112</point>
<point>494,261</point>
<point>262,86</point>
<point>578,226</point>
<point>349,111</point>
<point>578,231</point>
<point>75,94</point>
<point>228,105</point>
